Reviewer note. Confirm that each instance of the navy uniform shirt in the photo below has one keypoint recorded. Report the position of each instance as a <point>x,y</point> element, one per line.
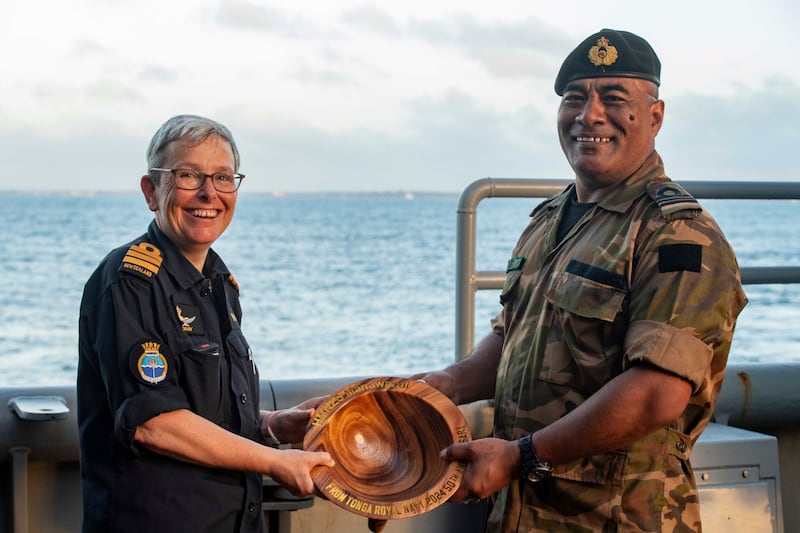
<point>156,335</point>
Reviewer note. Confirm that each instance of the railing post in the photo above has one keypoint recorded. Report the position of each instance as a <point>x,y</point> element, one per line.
<point>19,494</point>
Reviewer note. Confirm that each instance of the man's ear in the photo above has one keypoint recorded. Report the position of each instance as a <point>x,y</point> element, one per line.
<point>149,191</point>
<point>656,116</point>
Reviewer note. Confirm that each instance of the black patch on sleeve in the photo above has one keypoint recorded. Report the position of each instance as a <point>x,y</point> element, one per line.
<point>680,257</point>
<point>594,273</point>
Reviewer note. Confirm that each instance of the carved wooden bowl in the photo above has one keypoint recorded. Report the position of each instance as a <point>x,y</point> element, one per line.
<point>385,435</point>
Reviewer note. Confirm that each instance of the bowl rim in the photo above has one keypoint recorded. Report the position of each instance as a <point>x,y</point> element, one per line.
<point>332,488</point>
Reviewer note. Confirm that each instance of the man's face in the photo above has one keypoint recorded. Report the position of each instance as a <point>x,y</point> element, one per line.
<point>193,220</point>
<point>607,128</point>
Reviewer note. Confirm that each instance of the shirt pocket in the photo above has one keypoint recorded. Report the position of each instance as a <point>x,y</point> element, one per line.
<point>606,469</point>
<point>586,332</point>
<point>238,343</point>
<point>588,292</point>
<point>203,378</point>
<point>242,355</point>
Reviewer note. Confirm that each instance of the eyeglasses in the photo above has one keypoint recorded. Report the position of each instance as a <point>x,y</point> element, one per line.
<point>191,180</point>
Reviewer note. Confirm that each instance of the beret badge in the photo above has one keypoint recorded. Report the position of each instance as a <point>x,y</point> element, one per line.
<point>603,54</point>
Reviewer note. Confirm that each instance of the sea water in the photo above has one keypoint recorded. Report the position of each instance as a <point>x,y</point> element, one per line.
<point>333,285</point>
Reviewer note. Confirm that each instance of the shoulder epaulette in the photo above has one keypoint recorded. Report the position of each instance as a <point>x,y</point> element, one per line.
<point>233,282</point>
<point>142,259</point>
<point>544,204</point>
<point>672,198</point>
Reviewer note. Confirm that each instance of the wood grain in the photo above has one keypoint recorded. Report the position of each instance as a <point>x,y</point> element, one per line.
<point>385,435</point>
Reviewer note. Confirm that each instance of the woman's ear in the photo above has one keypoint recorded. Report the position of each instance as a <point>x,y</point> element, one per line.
<point>149,191</point>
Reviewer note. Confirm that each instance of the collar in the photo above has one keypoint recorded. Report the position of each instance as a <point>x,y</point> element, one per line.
<point>620,198</point>
<point>174,262</point>
<point>629,190</point>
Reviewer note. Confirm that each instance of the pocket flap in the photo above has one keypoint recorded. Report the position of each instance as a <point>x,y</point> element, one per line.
<point>585,297</point>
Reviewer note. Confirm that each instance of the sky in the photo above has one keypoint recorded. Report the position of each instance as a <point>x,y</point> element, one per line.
<point>412,95</point>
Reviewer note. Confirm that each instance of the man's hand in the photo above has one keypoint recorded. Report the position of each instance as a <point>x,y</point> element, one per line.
<point>441,381</point>
<point>472,378</point>
<point>491,464</point>
<point>289,425</point>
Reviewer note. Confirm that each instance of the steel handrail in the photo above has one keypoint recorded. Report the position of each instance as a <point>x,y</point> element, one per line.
<point>469,280</point>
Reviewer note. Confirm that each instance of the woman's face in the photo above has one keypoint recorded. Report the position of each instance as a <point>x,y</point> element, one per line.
<point>193,220</point>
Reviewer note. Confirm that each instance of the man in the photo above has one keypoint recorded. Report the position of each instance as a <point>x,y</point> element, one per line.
<point>618,313</point>
<point>171,436</point>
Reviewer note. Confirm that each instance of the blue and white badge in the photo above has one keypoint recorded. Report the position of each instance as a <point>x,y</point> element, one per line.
<point>152,365</point>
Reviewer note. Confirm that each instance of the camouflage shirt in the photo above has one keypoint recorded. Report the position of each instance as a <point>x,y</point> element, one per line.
<point>646,275</point>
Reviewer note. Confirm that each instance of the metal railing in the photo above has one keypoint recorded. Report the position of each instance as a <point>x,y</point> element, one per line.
<point>469,280</point>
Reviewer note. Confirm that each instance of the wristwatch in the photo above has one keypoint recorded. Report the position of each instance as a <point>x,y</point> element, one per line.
<point>533,469</point>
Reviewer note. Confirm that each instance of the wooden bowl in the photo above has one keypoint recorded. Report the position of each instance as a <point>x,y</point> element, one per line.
<point>385,435</point>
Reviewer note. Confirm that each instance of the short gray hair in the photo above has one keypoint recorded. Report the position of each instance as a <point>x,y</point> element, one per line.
<point>193,128</point>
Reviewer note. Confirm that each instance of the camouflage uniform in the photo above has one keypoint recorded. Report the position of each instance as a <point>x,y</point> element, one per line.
<point>644,276</point>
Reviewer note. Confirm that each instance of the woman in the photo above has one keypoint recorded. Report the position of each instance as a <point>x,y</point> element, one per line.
<point>168,393</point>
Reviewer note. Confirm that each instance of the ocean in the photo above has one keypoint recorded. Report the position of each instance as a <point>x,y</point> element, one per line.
<point>332,284</point>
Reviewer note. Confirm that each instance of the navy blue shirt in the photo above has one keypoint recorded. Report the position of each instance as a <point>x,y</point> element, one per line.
<point>157,335</point>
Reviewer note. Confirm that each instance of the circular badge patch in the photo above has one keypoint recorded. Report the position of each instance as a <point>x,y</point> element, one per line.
<point>152,365</point>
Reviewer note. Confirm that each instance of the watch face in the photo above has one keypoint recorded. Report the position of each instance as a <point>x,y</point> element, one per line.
<point>539,474</point>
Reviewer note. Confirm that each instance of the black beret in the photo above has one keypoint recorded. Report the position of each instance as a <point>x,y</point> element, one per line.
<point>610,54</point>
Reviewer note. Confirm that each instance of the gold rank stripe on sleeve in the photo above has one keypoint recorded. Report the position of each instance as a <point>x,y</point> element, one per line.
<point>143,258</point>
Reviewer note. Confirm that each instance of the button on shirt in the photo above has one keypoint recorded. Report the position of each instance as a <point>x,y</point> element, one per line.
<point>156,335</point>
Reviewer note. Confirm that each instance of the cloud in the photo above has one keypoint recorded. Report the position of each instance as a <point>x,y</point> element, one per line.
<point>100,160</point>
<point>515,63</point>
<point>157,73</point>
<point>371,18</point>
<point>447,142</point>
<point>240,14</point>
<point>529,48</point>
<point>750,135</point>
<point>372,98</point>
<point>86,48</point>
<point>111,92</point>
<point>450,141</point>
<point>305,73</point>
<point>465,30</point>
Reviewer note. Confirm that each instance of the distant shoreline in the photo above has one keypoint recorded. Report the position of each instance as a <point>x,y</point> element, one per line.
<point>275,194</point>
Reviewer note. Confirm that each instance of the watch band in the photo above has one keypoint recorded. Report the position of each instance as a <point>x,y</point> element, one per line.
<point>532,468</point>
